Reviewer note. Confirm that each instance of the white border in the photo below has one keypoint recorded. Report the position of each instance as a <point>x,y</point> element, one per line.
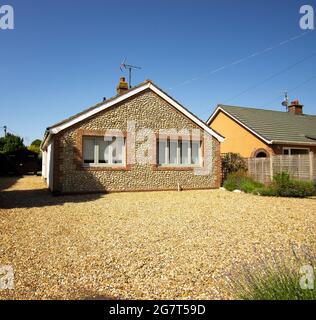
<point>238,121</point>
<point>257,134</point>
<point>127,95</point>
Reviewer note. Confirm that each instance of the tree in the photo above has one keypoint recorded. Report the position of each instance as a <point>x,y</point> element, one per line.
<point>11,143</point>
<point>35,147</point>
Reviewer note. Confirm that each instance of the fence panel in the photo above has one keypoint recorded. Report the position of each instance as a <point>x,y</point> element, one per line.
<point>259,169</point>
<point>300,167</point>
<point>313,170</point>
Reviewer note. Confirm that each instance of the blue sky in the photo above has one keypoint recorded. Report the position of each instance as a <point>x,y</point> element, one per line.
<point>64,56</point>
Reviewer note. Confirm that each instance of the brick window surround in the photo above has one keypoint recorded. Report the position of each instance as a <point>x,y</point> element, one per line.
<point>78,152</point>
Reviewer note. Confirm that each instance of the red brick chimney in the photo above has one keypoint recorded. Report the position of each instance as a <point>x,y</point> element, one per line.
<point>122,87</point>
<point>295,107</point>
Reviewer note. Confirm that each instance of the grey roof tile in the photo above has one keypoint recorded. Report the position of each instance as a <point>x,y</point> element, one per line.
<point>276,125</point>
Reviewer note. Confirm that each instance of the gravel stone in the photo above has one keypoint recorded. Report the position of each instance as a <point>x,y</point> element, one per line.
<point>152,245</point>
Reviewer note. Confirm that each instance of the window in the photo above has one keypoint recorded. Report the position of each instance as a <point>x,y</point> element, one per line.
<point>185,150</point>
<point>162,152</point>
<point>98,151</point>
<point>195,152</point>
<point>173,152</point>
<point>295,151</point>
<point>88,150</point>
<point>261,154</point>
<point>178,152</point>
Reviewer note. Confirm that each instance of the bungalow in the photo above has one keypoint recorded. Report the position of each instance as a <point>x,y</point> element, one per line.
<point>141,139</point>
<point>261,133</point>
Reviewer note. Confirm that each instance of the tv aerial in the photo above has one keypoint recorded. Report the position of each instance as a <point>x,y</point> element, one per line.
<point>285,101</point>
<point>128,67</point>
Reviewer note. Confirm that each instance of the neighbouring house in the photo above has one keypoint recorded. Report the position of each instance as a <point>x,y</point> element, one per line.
<point>261,133</point>
<point>141,139</point>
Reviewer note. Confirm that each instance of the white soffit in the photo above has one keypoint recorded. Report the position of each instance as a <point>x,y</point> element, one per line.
<point>129,94</point>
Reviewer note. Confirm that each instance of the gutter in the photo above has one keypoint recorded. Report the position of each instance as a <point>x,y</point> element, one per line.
<point>47,137</point>
<point>293,142</point>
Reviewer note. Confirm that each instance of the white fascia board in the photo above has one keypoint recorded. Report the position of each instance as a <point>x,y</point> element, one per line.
<point>47,138</point>
<point>131,93</point>
<point>212,115</point>
<point>238,121</point>
<point>98,109</point>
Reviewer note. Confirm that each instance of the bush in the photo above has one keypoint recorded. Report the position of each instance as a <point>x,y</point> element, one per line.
<point>250,186</point>
<point>267,192</point>
<point>232,162</point>
<point>299,189</point>
<point>284,186</point>
<point>273,279</point>
<point>241,181</point>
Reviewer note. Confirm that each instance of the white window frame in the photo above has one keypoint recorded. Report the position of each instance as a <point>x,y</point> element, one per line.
<point>178,164</point>
<point>289,149</point>
<point>96,153</point>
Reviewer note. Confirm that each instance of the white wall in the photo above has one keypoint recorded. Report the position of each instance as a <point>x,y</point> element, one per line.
<point>50,165</point>
<point>44,164</point>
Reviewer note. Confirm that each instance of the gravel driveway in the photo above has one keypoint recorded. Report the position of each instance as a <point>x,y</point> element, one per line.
<point>154,245</point>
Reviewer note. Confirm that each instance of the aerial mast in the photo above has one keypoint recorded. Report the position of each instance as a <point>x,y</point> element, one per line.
<point>129,68</point>
<point>285,102</point>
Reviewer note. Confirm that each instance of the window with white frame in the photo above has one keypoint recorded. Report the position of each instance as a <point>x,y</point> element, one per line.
<point>172,152</point>
<point>295,151</point>
<point>102,151</point>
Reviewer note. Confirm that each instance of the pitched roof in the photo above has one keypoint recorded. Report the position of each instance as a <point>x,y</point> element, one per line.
<point>147,85</point>
<point>93,107</point>
<point>273,126</point>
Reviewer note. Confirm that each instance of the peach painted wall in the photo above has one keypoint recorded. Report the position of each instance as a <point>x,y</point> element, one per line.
<point>237,139</point>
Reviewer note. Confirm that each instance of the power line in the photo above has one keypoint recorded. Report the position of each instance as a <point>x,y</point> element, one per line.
<point>270,78</point>
<point>291,90</point>
<point>236,62</point>
<point>12,132</point>
<point>8,130</point>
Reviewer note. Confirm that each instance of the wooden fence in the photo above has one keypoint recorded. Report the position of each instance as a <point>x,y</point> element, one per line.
<point>300,167</point>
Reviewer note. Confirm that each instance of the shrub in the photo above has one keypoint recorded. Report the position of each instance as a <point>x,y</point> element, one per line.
<point>241,181</point>
<point>284,186</point>
<point>267,191</point>
<point>299,189</point>
<point>232,162</point>
<point>230,185</point>
<point>250,186</point>
<point>282,179</point>
<point>273,279</point>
